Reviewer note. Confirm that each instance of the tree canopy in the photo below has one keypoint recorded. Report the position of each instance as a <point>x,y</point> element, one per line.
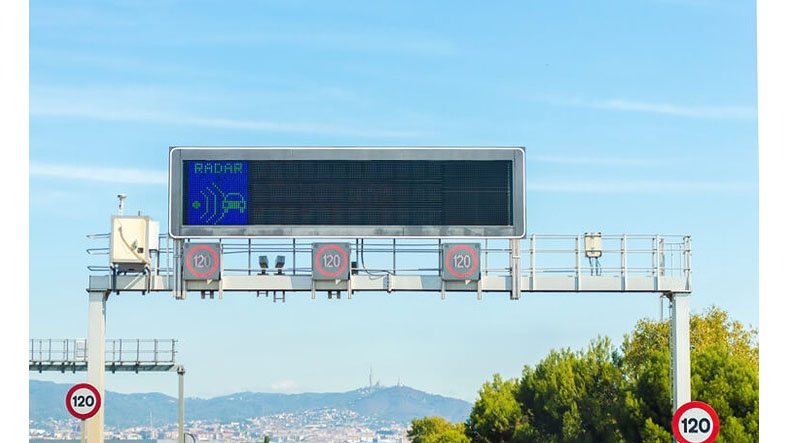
<point>436,430</point>
<point>604,394</point>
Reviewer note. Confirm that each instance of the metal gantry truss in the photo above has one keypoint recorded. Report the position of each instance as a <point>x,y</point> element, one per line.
<point>121,355</point>
<point>538,263</point>
<point>659,264</point>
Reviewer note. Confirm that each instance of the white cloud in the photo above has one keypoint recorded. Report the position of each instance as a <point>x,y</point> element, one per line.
<point>587,160</point>
<point>377,40</point>
<point>631,187</point>
<point>713,112</point>
<point>98,174</point>
<point>146,105</point>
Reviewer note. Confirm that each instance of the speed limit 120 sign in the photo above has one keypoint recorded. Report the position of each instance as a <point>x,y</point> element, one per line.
<point>202,261</point>
<point>460,261</point>
<point>695,422</point>
<point>330,261</point>
<point>83,401</point>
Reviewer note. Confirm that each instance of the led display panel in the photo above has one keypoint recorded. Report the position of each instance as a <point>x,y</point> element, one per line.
<point>339,192</point>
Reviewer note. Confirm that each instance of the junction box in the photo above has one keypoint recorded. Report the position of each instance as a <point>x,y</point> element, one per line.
<point>130,242</point>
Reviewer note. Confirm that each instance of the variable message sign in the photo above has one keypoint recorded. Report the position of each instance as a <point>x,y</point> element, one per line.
<point>347,192</point>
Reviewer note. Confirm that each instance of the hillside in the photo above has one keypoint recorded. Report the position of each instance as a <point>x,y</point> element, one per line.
<point>397,404</point>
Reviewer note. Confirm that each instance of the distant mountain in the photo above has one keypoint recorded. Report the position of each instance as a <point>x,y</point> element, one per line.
<point>398,404</point>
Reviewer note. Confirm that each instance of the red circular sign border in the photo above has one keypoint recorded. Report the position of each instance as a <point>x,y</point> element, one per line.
<point>215,261</point>
<point>475,261</point>
<point>323,271</point>
<point>90,388</point>
<point>715,421</point>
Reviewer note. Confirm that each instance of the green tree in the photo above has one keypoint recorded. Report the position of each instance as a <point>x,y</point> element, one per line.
<point>572,396</point>
<point>603,395</point>
<point>436,430</point>
<point>724,365</point>
<point>496,412</point>
<point>730,386</point>
<point>713,327</point>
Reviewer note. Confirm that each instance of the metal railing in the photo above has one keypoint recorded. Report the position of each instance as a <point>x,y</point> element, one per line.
<point>622,255</point>
<point>117,351</point>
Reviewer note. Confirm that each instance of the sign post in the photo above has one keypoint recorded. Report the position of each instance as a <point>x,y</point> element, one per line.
<point>695,422</point>
<point>83,401</point>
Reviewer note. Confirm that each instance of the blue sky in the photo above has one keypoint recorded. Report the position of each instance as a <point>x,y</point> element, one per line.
<point>637,117</point>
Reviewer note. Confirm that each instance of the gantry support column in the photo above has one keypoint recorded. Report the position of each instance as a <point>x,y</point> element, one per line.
<point>97,305</point>
<point>680,348</point>
<point>181,436</point>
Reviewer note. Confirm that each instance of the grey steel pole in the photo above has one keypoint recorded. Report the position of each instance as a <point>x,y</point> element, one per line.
<point>181,436</point>
<point>514,261</point>
<point>680,350</point>
<point>96,365</point>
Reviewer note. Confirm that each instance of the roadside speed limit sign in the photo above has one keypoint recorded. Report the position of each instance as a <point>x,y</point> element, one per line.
<point>83,401</point>
<point>695,422</point>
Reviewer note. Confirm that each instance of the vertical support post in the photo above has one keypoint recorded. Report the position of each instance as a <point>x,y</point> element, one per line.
<point>97,305</point>
<point>178,291</point>
<point>577,263</point>
<point>181,373</point>
<point>624,262</point>
<point>312,292</point>
<point>167,255</point>
<point>688,262</point>
<point>680,350</point>
<point>533,262</point>
<point>486,257</point>
<point>653,256</point>
<point>656,255</point>
<point>394,256</point>
<point>514,259</point>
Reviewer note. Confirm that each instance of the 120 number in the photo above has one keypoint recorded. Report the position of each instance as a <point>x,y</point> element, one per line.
<point>695,425</point>
<point>462,261</point>
<point>332,261</point>
<point>81,401</point>
<point>201,261</point>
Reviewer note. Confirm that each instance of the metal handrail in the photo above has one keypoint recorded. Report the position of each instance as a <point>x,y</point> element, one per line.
<point>118,351</point>
<point>621,255</point>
